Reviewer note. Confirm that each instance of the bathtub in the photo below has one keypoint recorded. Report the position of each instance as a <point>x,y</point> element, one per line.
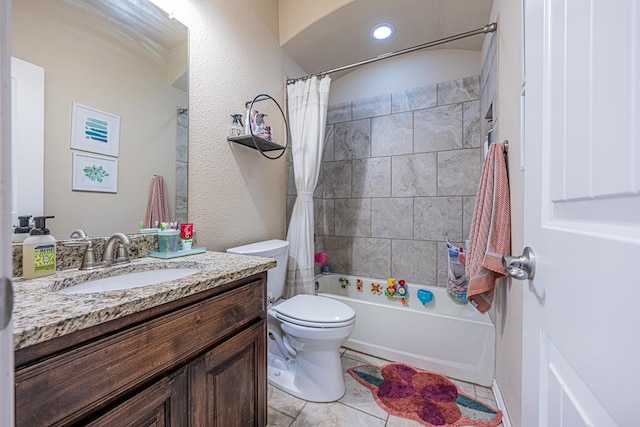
<point>442,336</point>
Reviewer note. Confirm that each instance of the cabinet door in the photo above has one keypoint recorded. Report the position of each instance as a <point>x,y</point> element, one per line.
<point>164,404</point>
<point>228,384</point>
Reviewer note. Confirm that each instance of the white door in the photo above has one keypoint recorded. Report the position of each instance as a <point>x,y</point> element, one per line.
<point>6,333</point>
<point>581,342</point>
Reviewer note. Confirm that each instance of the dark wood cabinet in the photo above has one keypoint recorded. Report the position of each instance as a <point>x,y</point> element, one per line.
<point>198,361</point>
<point>163,404</point>
<point>226,387</point>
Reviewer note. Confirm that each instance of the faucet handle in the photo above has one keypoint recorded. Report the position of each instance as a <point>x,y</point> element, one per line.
<point>89,259</point>
<point>122,254</point>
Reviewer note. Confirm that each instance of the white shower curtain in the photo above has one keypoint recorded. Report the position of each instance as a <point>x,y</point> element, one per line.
<point>307,101</point>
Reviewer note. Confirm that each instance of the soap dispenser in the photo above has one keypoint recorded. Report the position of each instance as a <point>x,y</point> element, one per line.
<point>39,251</point>
<point>21,232</point>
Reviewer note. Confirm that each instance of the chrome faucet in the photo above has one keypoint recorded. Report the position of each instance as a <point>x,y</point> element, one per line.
<point>120,243</point>
<point>78,234</point>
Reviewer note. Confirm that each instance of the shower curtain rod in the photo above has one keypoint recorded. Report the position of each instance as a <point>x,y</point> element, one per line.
<point>489,28</point>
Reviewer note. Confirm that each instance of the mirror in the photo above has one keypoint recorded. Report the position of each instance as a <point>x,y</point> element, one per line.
<point>125,58</point>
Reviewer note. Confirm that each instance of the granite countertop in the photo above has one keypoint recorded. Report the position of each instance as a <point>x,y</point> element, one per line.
<point>40,314</point>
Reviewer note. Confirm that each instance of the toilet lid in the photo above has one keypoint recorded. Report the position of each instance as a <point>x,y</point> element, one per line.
<point>310,310</point>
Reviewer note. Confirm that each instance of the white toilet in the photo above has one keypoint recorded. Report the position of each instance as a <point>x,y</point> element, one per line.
<point>304,333</point>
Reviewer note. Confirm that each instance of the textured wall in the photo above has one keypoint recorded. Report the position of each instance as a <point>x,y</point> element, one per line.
<point>400,171</point>
<point>235,195</point>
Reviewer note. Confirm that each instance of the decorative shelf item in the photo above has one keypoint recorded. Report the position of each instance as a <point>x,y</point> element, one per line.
<point>257,142</point>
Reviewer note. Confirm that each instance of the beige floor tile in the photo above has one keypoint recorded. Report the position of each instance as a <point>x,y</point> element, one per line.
<point>485,394</point>
<point>395,421</point>
<point>276,418</point>
<point>356,395</point>
<point>364,358</point>
<point>466,387</point>
<point>284,402</point>
<point>334,415</point>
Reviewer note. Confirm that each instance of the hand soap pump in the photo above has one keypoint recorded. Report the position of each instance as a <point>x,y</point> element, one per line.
<point>39,251</point>
<point>21,232</point>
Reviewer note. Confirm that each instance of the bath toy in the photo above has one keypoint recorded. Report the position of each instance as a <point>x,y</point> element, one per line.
<point>320,257</point>
<point>396,289</point>
<point>359,285</point>
<point>425,296</point>
<point>344,282</point>
<point>376,288</point>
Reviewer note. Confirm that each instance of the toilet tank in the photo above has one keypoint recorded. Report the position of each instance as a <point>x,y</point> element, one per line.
<point>278,249</point>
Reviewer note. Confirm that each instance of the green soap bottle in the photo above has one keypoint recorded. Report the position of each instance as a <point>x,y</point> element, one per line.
<point>39,251</point>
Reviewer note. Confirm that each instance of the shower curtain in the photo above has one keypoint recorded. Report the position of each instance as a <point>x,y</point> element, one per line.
<point>307,102</point>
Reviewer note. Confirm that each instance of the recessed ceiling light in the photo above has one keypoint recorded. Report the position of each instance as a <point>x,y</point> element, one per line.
<point>382,31</point>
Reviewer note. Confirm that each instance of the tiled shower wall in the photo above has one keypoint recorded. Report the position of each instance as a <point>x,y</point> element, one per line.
<point>399,173</point>
<point>182,161</point>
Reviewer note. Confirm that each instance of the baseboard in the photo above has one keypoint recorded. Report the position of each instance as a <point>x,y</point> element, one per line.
<point>500,402</point>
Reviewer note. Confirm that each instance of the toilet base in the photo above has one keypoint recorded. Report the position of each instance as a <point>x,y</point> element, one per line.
<point>281,373</point>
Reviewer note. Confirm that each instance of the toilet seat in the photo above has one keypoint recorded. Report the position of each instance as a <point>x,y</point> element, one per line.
<point>314,311</point>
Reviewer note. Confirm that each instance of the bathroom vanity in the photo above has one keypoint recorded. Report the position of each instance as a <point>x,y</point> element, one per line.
<point>187,352</point>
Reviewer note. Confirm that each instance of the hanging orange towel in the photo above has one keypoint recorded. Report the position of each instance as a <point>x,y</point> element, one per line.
<point>490,235</point>
<point>158,203</point>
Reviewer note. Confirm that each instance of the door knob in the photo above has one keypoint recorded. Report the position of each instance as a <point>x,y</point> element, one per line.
<point>521,267</point>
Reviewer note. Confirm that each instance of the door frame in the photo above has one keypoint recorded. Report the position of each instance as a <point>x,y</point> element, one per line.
<point>6,265</point>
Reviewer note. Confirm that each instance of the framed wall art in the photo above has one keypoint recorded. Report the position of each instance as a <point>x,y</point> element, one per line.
<point>95,131</point>
<point>95,173</point>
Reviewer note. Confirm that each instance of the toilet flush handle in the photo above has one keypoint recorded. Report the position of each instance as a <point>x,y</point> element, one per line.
<point>270,299</point>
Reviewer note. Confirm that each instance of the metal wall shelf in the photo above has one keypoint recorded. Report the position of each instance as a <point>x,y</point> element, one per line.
<point>252,141</point>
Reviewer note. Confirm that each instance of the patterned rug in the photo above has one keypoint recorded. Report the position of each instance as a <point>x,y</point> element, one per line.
<point>428,398</point>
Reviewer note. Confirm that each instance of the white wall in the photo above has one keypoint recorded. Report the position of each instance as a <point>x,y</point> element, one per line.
<point>235,195</point>
<point>412,70</point>
<point>507,307</point>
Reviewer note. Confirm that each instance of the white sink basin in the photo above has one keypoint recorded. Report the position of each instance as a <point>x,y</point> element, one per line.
<point>129,280</point>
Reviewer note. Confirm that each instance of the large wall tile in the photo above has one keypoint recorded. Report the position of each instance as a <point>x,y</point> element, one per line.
<point>329,144</point>
<point>371,107</point>
<point>372,257</point>
<point>459,172</point>
<point>471,129</point>
<point>329,217</point>
<point>352,140</point>
<point>371,177</point>
<point>414,175</point>
<point>437,217</point>
<point>400,172</point>
<point>392,135</point>
<point>392,218</point>
<point>353,217</point>
<point>468,203</point>
<point>337,180</point>
<point>339,113</point>
<point>414,99</point>
<point>339,250</point>
<point>438,128</point>
<point>461,90</point>
<point>414,261</point>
